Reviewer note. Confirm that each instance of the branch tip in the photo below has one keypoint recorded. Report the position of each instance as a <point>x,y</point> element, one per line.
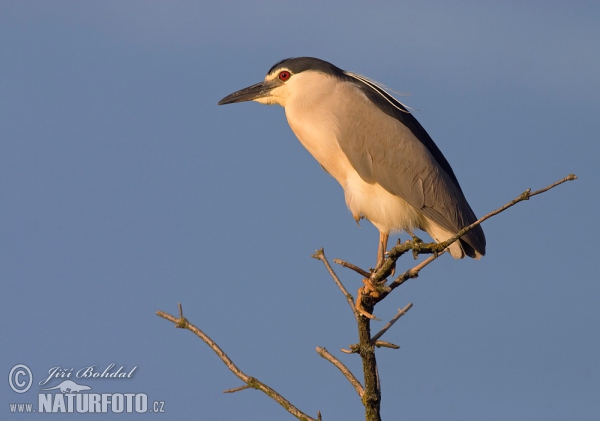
<point>349,297</point>
<point>318,254</point>
<point>345,370</point>
<point>360,271</point>
<point>401,312</point>
<point>237,389</point>
<point>250,382</point>
<point>384,344</point>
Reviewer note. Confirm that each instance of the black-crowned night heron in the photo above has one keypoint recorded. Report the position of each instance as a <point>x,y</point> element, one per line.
<point>391,171</point>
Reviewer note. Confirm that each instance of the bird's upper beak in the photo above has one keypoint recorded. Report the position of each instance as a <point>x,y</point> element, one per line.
<point>259,90</point>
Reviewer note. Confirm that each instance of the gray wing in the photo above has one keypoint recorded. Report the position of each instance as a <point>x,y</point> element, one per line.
<point>397,153</point>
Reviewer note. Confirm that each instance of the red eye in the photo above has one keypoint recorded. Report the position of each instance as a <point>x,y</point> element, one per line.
<point>284,75</point>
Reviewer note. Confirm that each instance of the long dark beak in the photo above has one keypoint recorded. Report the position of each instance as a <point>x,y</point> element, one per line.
<point>259,90</point>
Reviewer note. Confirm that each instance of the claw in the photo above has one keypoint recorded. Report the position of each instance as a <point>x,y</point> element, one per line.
<point>367,290</point>
<point>359,307</point>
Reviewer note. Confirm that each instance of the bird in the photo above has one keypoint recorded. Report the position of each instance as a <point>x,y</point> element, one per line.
<point>392,172</point>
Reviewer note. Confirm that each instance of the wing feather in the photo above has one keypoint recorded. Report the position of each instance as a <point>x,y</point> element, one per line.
<point>386,145</point>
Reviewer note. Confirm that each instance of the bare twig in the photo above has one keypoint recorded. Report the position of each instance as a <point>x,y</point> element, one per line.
<point>320,255</point>
<point>251,382</point>
<point>409,274</point>
<point>355,268</point>
<point>401,312</point>
<point>569,177</point>
<point>526,195</point>
<point>345,371</point>
<point>438,248</point>
<point>237,389</point>
<point>354,348</point>
<point>384,344</point>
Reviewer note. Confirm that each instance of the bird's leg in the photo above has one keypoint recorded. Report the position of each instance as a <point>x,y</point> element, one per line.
<point>382,250</point>
<point>369,289</point>
<point>383,241</point>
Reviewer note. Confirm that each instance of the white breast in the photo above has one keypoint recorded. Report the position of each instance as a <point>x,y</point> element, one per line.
<point>313,120</point>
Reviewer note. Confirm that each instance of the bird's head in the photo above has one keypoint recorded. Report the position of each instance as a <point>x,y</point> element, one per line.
<point>286,80</point>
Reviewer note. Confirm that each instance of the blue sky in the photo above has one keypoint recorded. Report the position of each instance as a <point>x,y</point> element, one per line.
<point>124,190</point>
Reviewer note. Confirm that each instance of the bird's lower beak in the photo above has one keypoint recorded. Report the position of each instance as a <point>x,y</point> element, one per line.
<point>259,90</point>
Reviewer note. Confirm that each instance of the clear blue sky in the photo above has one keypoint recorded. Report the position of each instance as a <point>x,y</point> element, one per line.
<point>124,190</point>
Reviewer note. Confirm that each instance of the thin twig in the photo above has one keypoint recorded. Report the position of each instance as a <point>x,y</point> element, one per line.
<point>251,382</point>
<point>409,274</point>
<point>569,177</point>
<point>320,255</point>
<point>401,312</point>
<point>354,348</point>
<point>355,268</point>
<point>384,344</point>
<point>345,371</point>
<point>526,195</point>
<point>438,248</point>
<point>236,389</point>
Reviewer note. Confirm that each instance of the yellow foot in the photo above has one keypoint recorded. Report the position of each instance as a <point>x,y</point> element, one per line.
<point>367,290</point>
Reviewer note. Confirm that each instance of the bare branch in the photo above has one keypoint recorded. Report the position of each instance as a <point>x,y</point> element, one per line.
<point>409,274</point>
<point>436,249</point>
<point>374,291</point>
<point>251,382</point>
<point>354,348</point>
<point>401,312</point>
<point>569,177</point>
<point>345,371</point>
<point>355,268</point>
<point>526,195</point>
<point>372,396</point>
<point>383,344</point>
<point>237,389</point>
<point>320,255</point>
